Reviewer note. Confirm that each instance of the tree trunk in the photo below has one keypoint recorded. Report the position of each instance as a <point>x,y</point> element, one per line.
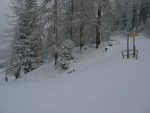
<point>81,35</point>
<point>71,19</point>
<point>55,23</point>
<point>81,28</point>
<point>98,28</point>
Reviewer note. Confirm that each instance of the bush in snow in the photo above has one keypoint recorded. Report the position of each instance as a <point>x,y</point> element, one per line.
<point>66,54</point>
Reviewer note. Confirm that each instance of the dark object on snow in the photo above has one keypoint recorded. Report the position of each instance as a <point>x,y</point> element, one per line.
<point>17,75</point>
<point>81,44</point>
<point>6,79</point>
<point>110,45</point>
<point>56,58</point>
<point>73,70</point>
<point>106,49</point>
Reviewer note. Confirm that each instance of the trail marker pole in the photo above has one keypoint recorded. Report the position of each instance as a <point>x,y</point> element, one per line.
<point>134,48</point>
<point>129,52</point>
<point>133,34</point>
<point>128,49</point>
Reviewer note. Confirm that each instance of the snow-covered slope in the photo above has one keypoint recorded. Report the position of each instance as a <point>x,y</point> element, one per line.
<point>102,83</point>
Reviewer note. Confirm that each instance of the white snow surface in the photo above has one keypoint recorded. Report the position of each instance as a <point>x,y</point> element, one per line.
<point>103,82</point>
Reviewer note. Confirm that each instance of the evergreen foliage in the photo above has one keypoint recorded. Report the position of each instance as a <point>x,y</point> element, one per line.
<point>26,46</point>
<point>66,56</point>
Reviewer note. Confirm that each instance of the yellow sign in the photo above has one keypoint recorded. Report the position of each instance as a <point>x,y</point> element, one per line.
<point>133,34</point>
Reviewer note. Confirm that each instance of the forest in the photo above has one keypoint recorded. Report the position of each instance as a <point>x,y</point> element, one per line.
<point>48,30</point>
<point>75,56</point>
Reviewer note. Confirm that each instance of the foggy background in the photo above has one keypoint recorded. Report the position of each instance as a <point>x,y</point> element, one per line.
<point>4,11</point>
<point>4,41</point>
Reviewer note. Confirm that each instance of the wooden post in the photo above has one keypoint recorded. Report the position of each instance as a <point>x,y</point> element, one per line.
<point>134,49</point>
<point>128,49</point>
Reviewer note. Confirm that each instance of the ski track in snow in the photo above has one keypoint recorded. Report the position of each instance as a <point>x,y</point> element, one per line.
<point>102,83</point>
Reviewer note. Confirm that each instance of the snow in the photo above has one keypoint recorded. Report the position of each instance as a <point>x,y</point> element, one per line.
<point>103,82</point>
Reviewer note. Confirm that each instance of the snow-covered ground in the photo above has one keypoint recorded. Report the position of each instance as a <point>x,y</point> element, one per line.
<point>102,83</point>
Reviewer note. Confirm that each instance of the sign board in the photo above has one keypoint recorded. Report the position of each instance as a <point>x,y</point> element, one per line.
<point>133,34</point>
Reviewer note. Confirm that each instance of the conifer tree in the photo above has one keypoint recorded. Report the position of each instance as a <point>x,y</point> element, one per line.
<point>26,48</point>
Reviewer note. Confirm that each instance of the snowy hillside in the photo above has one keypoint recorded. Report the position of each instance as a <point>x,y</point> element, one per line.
<point>103,82</point>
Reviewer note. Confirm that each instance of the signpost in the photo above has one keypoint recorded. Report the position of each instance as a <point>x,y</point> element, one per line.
<point>129,52</point>
<point>133,34</point>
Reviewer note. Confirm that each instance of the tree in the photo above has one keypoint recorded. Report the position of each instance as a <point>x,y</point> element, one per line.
<point>99,14</point>
<point>66,56</point>
<point>82,21</point>
<point>26,47</point>
<point>103,11</point>
<point>144,11</point>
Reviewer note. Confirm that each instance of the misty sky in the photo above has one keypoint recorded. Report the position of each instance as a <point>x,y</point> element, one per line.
<point>4,10</point>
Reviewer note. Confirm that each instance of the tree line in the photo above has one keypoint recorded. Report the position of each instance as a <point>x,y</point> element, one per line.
<point>48,30</point>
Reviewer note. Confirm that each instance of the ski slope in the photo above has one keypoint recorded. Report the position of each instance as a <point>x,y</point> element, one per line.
<point>102,83</point>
